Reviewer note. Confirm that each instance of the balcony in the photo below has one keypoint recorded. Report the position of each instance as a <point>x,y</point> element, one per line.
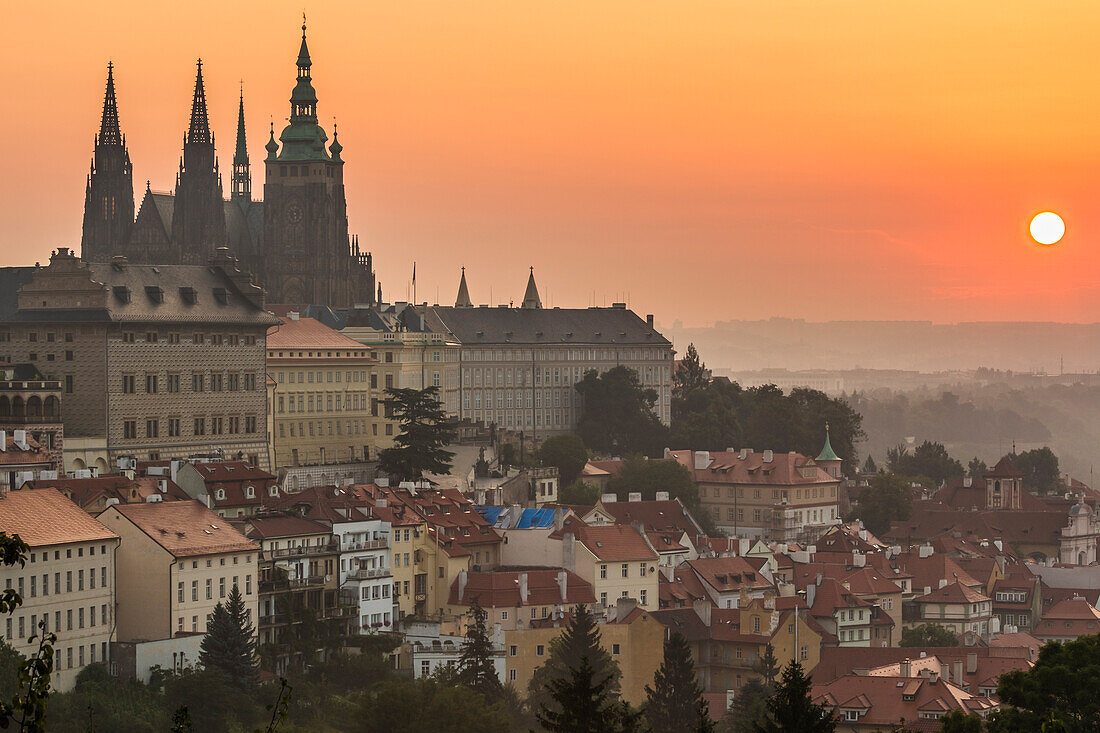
<point>274,586</point>
<point>301,551</point>
<point>273,619</point>
<point>369,573</point>
<point>365,545</point>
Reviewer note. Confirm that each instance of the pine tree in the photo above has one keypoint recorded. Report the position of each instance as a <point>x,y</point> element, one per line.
<point>675,703</point>
<point>579,641</point>
<point>230,642</point>
<point>582,703</point>
<point>768,666</point>
<point>791,708</point>
<point>426,431</point>
<point>475,664</point>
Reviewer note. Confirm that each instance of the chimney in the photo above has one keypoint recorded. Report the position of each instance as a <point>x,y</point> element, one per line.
<point>634,496</point>
<point>569,551</point>
<point>609,498</point>
<point>523,587</point>
<point>943,582</point>
<point>702,459</point>
<point>703,608</point>
<point>769,456</point>
<point>19,437</point>
<point>958,674</point>
<point>293,315</point>
<point>660,496</point>
<point>463,577</point>
<point>924,551</point>
<point>623,608</point>
<point>3,441</point>
<point>971,663</point>
<point>933,676</point>
<point>968,482</point>
<point>906,668</point>
<point>563,584</point>
<point>811,594</point>
<point>649,320</point>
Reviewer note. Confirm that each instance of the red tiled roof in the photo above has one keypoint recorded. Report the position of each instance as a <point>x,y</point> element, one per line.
<point>13,455</point>
<point>185,528</point>
<point>501,588</point>
<point>1071,609</point>
<point>729,574</point>
<point>614,543</point>
<point>653,515</point>
<point>953,593</point>
<point>728,468</point>
<point>91,494</point>
<point>887,700</point>
<point>282,525</point>
<point>45,517</point>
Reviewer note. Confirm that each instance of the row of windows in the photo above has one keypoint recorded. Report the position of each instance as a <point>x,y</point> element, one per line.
<point>232,425</point>
<point>569,354</point>
<point>320,377</point>
<point>74,619</point>
<point>318,403</point>
<point>817,492</point>
<point>30,587</point>
<point>506,400</point>
<point>317,429</point>
<point>217,381</point>
<point>642,597</point>
<point>549,419</point>
<point>624,570</point>
<point>197,338</point>
<point>208,588</point>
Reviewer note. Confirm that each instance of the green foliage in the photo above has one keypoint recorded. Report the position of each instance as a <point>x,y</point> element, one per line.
<point>976,468</point>
<point>928,635</point>
<point>215,701</point>
<point>768,666</point>
<point>691,374</point>
<point>617,416</point>
<point>506,455</point>
<point>579,640</point>
<point>650,476</point>
<point>579,493</point>
<point>707,417</point>
<point>475,664</point>
<point>230,642</point>
<point>869,465</point>
<point>958,722</point>
<point>1057,694</point>
<point>27,704</point>
<point>1040,469</point>
<point>887,499</point>
<point>749,709</point>
<point>792,709</point>
<point>582,702</point>
<point>426,431</point>
<point>927,459</point>
<point>567,453</point>
<point>415,706</point>
<point>675,703</point>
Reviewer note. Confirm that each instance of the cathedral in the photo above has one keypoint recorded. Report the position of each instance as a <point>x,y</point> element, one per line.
<point>295,242</point>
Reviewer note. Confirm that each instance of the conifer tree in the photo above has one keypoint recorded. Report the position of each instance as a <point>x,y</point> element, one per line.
<point>582,703</point>
<point>426,431</point>
<point>230,642</point>
<point>768,666</point>
<point>690,373</point>
<point>675,703</point>
<point>475,664</point>
<point>579,641</point>
<point>792,709</point>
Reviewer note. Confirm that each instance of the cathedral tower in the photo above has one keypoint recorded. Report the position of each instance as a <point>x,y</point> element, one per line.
<point>198,220</point>
<point>242,176</point>
<point>109,197</point>
<point>307,258</point>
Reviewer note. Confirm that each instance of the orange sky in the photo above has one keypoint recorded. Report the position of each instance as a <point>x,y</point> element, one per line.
<point>706,160</point>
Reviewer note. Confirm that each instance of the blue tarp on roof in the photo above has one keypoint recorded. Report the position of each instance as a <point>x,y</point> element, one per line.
<point>490,513</point>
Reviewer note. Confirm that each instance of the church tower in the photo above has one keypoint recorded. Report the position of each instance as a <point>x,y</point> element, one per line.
<point>308,257</point>
<point>242,176</point>
<point>109,197</point>
<point>198,220</point>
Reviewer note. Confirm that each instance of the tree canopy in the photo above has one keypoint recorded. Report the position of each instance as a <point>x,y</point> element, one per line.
<point>647,477</point>
<point>675,704</point>
<point>230,642</point>
<point>476,669</point>
<point>580,640</point>
<point>583,702</point>
<point>928,459</point>
<point>567,453</point>
<point>791,708</point>
<point>887,498</point>
<point>1040,469</point>
<point>928,635</point>
<point>617,415</point>
<point>426,431</point>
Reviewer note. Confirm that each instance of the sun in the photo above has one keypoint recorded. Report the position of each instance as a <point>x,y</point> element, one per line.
<point>1047,228</point>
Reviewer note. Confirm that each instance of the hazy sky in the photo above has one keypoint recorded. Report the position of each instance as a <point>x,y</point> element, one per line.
<point>705,160</point>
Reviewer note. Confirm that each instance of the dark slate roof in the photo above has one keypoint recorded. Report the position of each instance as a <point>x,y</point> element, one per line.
<point>474,326</point>
<point>11,279</point>
<point>166,206</point>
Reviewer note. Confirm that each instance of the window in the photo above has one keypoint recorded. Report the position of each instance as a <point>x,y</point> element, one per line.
<point>198,382</point>
<point>603,571</point>
<point>540,650</point>
<point>152,428</point>
<point>173,384</point>
<point>200,426</point>
<point>625,570</point>
<point>615,649</point>
<point>173,427</point>
<point>127,383</point>
<point>129,429</point>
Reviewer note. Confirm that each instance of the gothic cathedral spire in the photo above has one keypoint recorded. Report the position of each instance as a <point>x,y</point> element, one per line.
<point>242,178</point>
<point>531,298</point>
<point>109,196</point>
<point>198,218</point>
<point>463,299</point>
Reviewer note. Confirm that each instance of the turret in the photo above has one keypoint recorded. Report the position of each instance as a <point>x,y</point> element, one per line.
<point>463,299</point>
<point>109,196</point>
<point>531,298</point>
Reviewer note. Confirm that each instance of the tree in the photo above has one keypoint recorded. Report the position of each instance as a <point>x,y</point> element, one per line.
<point>869,465</point>
<point>675,703</point>
<point>506,455</point>
<point>617,415</point>
<point>887,499</point>
<point>230,642</point>
<point>768,666</point>
<point>567,453</point>
<point>414,706</point>
<point>1040,469</point>
<point>426,431</point>
<point>583,703</point>
<point>1057,694</point>
<point>647,477</point>
<point>927,459</point>
<point>749,709</point>
<point>580,640</point>
<point>928,635</point>
<point>976,468</point>
<point>579,493</point>
<point>690,374</point>
<point>476,669</point>
<point>28,706</point>
<point>959,722</point>
<point>791,708</point>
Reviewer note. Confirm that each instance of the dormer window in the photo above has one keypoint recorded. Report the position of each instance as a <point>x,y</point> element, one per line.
<point>220,494</point>
<point>122,293</point>
<point>189,295</point>
<point>273,491</point>
<point>221,295</point>
<point>250,492</point>
<point>154,293</point>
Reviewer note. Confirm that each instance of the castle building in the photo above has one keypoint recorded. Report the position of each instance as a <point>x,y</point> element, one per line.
<point>295,242</point>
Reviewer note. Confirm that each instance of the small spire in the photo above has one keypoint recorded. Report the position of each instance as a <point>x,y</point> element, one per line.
<point>336,148</point>
<point>463,299</point>
<point>242,177</point>
<point>199,129</point>
<point>531,298</point>
<point>272,147</point>
<point>109,132</point>
<point>303,53</point>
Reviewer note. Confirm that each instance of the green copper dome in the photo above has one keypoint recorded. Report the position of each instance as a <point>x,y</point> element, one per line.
<point>827,453</point>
